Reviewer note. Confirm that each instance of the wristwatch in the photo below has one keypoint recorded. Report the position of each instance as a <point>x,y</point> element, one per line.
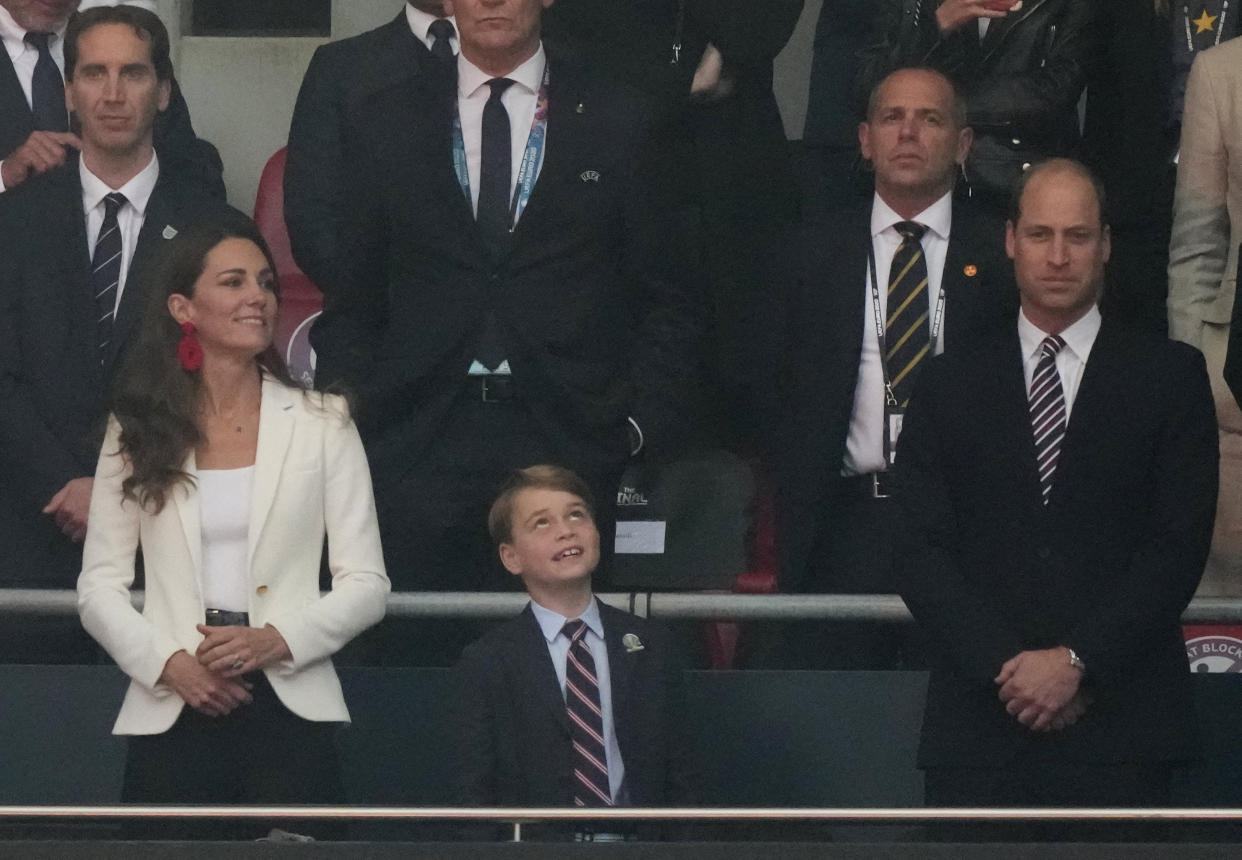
<point>1075,660</point>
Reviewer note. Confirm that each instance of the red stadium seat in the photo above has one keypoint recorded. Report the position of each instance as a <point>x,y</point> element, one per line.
<point>300,300</point>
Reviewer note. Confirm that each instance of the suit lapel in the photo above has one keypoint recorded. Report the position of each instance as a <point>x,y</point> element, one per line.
<point>185,499</point>
<point>159,215</point>
<point>75,263</point>
<point>1012,412</point>
<point>535,665</point>
<point>18,121</point>
<point>561,153</point>
<point>434,174</point>
<point>1094,404</point>
<point>962,279</point>
<point>275,431</point>
<point>620,664</point>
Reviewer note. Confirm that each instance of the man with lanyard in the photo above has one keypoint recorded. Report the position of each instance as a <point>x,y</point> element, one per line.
<point>499,303</point>
<point>876,290</point>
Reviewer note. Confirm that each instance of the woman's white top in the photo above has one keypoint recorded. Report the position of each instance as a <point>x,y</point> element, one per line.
<point>224,506</point>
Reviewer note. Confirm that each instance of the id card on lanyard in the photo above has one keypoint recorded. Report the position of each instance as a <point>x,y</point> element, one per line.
<point>532,158</point>
<point>894,412</point>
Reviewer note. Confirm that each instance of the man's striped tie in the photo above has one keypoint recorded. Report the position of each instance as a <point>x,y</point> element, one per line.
<point>586,720</point>
<point>1047,412</point>
<point>907,333</point>
<point>106,272</point>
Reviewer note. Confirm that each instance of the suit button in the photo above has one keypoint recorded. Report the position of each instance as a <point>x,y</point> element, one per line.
<point>261,590</point>
<point>1017,142</point>
<point>495,278</point>
<point>1043,552</point>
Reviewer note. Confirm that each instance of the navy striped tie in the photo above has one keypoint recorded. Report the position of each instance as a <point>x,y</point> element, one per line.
<point>586,720</point>
<point>106,272</point>
<point>1047,402</point>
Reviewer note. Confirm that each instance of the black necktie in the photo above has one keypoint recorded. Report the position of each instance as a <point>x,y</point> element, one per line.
<point>106,272</point>
<point>907,335</point>
<point>495,168</point>
<point>441,31</point>
<point>47,89</point>
<point>586,720</point>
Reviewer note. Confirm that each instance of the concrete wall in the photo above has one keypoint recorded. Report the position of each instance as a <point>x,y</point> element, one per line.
<point>241,91</point>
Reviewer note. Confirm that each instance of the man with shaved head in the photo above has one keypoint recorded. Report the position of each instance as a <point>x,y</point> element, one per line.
<point>877,290</point>
<point>1057,487</point>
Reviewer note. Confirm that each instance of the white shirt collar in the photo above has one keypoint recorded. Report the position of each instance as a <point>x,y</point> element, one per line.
<point>1079,337</point>
<point>15,37</point>
<point>937,217</point>
<point>551,622</point>
<point>420,24</point>
<point>137,191</point>
<point>529,75</point>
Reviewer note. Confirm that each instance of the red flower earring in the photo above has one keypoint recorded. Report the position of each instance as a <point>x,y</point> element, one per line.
<point>189,351</point>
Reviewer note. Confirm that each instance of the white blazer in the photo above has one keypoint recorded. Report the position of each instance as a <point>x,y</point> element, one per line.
<point>310,478</point>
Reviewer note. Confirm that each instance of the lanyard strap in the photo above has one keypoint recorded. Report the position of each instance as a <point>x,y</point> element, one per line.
<point>878,315</point>
<point>532,158</point>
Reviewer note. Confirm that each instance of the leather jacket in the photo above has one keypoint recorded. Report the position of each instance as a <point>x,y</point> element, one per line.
<point>1022,81</point>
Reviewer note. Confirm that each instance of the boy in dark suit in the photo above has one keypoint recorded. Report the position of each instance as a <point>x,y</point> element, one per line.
<point>573,702</point>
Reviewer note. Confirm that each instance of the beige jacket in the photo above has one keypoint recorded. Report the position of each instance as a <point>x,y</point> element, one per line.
<point>1207,221</point>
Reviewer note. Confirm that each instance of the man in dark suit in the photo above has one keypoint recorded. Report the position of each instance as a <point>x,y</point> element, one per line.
<point>71,248</point>
<point>420,40</point>
<point>706,67</point>
<point>572,703</point>
<point>505,312</point>
<point>840,425</point>
<point>35,135</point>
<point>1057,484</point>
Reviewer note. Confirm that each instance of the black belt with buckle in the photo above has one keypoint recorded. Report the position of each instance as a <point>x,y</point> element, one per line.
<point>873,485</point>
<point>225,618</point>
<point>494,387</point>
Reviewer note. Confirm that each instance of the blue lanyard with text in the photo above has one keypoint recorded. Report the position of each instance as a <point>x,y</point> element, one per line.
<point>528,173</point>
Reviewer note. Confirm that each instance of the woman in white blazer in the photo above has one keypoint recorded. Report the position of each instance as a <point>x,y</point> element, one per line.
<point>228,477</point>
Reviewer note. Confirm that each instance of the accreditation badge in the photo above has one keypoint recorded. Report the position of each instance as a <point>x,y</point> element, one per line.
<point>893,416</point>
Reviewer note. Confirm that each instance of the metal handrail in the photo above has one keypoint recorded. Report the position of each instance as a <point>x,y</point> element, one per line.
<point>529,815</point>
<point>706,606</point>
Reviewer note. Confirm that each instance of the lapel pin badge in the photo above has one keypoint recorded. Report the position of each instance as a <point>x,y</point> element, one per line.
<point>632,643</point>
<point>169,232</point>
<point>589,176</point>
<point>580,109</point>
<point>971,270</point>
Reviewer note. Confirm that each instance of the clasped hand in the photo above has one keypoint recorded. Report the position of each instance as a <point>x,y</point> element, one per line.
<point>1042,690</point>
<point>954,14</point>
<point>210,681</point>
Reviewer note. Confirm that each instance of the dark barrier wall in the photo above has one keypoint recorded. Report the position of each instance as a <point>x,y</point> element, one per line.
<point>773,739</point>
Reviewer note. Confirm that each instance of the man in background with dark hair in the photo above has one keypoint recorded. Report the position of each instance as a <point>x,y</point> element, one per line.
<point>78,239</point>
<point>35,134</point>
<point>1057,486</point>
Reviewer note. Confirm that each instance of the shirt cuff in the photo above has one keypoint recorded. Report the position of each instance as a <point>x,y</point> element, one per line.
<point>2,188</point>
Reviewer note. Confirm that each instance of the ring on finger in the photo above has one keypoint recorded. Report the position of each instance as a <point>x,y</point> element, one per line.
<point>238,662</point>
